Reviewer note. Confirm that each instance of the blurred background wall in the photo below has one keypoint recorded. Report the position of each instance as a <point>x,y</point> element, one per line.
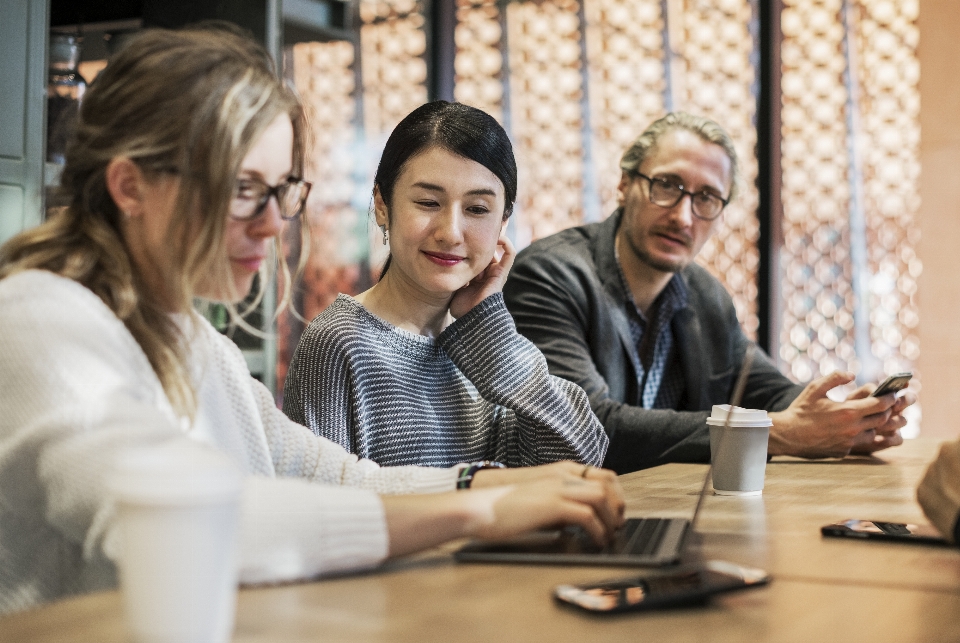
<point>833,258</point>
<point>822,97</point>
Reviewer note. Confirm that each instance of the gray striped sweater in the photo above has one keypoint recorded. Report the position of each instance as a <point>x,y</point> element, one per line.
<point>479,391</point>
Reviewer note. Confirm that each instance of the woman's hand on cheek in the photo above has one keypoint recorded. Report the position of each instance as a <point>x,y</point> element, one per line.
<point>488,282</point>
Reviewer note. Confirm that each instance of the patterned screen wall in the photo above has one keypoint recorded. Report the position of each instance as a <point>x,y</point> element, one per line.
<point>546,116</point>
<point>889,133</point>
<point>394,72</point>
<point>850,150</point>
<point>817,323</point>
<point>393,43</point>
<point>569,148</point>
<point>324,75</point>
<point>478,62</point>
<point>574,82</point>
<point>713,74</point>
<point>627,81</point>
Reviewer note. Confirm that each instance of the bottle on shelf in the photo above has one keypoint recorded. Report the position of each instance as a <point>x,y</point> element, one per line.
<point>65,90</point>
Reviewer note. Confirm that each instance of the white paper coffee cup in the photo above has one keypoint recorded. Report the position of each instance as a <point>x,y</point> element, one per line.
<point>738,451</point>
<point>177,511</point>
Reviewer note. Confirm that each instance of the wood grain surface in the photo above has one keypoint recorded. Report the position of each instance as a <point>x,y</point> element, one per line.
<point>823,589</point>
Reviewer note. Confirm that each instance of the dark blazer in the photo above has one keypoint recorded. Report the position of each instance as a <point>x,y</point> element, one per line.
<point>566,296</point>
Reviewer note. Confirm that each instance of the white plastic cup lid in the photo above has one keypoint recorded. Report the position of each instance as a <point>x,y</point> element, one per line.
<point>740,418</point>
<point>174,473</point>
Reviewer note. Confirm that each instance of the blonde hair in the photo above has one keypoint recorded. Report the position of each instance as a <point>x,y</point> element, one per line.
<point>705,128</point>
<point>189,103</point>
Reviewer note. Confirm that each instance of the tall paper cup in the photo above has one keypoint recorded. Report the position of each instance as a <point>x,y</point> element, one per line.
<point>740,458</point>
<point>177,511</point>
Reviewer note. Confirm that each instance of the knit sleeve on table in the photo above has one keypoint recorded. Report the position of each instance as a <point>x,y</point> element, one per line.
<point>292,529</point>
<point>298,452</point>
<point>544,418</point>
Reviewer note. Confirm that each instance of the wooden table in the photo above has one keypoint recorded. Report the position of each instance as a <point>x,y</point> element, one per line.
<point>827,590</point>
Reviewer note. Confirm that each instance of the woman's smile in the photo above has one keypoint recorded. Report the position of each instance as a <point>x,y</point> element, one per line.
<point>443,258</point>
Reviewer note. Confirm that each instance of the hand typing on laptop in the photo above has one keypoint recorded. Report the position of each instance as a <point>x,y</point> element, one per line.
<point>610,509</point>
<point>592,500</point>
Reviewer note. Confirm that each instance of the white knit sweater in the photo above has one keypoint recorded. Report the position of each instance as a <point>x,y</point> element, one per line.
<point>75,387</point>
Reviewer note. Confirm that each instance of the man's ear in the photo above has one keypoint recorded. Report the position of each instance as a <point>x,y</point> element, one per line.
<point>623,186</point>
<point>379,208</point>
<point>125,184</point>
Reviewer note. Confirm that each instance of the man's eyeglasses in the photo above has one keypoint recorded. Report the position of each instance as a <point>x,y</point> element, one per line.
<point>251,198</point>
<point>667,194</point>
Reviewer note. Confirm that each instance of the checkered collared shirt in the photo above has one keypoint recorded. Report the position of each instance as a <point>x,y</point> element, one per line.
<point>659,377</point>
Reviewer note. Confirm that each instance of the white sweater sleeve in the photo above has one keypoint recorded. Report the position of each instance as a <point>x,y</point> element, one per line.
<point>75,389</point>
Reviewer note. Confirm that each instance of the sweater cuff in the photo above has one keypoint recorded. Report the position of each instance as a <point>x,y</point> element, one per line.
<point>485,345</point>
<point>490,311</point>
<point>430,480</point>
<point>291,529</point>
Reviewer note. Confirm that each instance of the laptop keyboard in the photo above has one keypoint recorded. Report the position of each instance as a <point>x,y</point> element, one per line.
<point>637,537</point>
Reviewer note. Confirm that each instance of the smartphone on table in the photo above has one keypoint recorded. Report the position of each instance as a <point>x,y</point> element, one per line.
<point>691,585</point>
<point>879,530</point>
<point>893,384</point>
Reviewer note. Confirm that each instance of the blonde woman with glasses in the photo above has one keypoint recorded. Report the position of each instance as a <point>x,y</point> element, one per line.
<point>187,157</point>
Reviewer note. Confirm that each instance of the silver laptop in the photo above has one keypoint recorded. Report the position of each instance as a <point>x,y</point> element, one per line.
<point>647,542</point>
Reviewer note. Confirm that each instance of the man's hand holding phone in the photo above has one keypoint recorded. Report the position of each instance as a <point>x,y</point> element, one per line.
<point>887,434</point>
<point>816,426</point>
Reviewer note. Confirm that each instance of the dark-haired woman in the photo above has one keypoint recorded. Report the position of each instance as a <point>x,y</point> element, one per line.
<point>427,367</point>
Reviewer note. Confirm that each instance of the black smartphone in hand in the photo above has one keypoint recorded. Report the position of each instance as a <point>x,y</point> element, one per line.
<point>894,383</point>
<point>691,585</point>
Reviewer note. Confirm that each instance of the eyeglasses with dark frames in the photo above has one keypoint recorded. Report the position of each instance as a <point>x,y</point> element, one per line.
<point>667,194</point>
<point>252,195</point>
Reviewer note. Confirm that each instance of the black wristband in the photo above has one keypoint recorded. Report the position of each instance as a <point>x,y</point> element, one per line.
<point>465,479</point>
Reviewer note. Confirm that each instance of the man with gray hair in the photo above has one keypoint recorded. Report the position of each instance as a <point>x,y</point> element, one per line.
<point>620,308</point>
